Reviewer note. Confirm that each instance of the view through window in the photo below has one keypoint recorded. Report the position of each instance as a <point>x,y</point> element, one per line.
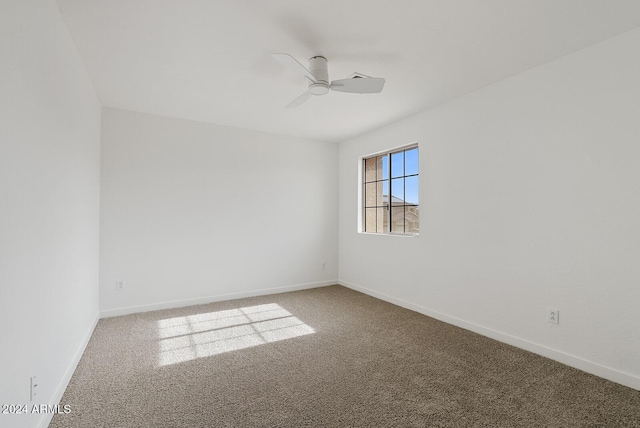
<point>390,192</point>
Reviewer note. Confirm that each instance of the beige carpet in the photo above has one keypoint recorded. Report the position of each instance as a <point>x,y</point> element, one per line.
<point>326,357</point>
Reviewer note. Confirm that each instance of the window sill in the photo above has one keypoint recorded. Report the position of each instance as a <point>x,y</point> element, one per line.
<point>398,235</point>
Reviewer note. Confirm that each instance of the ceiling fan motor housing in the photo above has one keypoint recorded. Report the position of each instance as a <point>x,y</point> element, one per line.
<point>318,68</point>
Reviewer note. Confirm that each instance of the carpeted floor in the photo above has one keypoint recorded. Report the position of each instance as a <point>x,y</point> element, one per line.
<point>325,357</point>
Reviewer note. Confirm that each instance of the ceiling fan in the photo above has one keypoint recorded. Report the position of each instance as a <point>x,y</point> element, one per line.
<point>318,78</point>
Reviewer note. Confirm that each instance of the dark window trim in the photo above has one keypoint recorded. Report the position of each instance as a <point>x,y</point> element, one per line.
<point>390,204</point>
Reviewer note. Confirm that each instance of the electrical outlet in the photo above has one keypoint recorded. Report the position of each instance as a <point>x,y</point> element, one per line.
<point>324,264</point>
<point>33,387</point>
<point>120,285</point>
<point>553,316</point>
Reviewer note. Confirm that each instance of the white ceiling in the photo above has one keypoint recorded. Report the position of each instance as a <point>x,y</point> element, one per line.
<point>209,60</point>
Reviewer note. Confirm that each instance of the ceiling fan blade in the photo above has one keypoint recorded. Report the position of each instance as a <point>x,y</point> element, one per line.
<point>292,64</point>
<point>359,85</point>
<point>300,100</point>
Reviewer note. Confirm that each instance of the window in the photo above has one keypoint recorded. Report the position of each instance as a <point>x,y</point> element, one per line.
<point>390,192</point>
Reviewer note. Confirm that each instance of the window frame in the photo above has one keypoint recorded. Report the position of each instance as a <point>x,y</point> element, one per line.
<point>362,182</point>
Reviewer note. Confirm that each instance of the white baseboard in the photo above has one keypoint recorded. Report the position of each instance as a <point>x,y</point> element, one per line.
<point>62,386</point>
<point>574,361</point>
<point>210,299</point>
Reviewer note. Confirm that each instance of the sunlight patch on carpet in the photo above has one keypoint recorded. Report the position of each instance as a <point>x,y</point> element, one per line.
<point>187,338</point>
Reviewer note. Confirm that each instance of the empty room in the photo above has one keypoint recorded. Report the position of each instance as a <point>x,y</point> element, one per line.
<point>239,213</point>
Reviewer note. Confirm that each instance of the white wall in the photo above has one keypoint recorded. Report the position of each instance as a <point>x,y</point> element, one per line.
<point>194,212</point>
<point>530,198</point>
<point>49,206</point>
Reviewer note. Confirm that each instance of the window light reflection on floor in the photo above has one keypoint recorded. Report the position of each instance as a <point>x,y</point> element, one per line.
<point>204,335</point>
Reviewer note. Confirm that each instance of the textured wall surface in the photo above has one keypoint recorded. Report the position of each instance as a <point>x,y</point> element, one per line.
<point>49,206</point>
<point>197,211</point>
